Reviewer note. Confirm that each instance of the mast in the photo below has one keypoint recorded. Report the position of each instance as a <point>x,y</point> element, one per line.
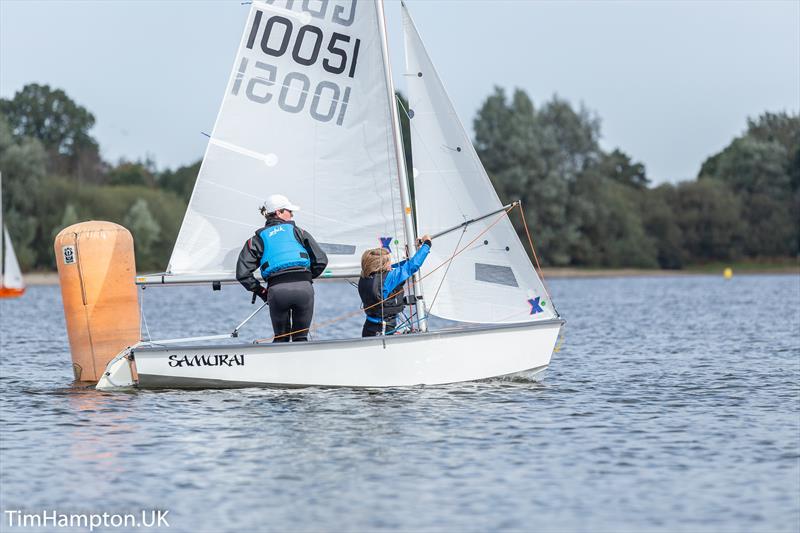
<point>405,198</point>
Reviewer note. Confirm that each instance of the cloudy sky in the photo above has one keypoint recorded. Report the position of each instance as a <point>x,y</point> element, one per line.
<point>673,81</point>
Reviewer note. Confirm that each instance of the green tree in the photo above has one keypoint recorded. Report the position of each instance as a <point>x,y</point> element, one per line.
<point>749,165</point>
<point>537,156</point>
<point>22,164</point>
<point>133,173</point>
<point>763,168</point>
<point>612,232</point>
<point>69,218</point>
<point>709,216</point>
<point>492,127</point>
<point>619,167</point>
<point>660,223</point>
<point>181,180</point>
<point>50,116</point>
<point>144,227</point>
<point>60,124</point>
<point>781,128</point>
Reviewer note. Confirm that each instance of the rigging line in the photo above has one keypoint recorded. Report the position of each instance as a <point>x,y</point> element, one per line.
<point>401,325</point>
<point>144,318</point>
<point>449,263</point>
<point>360,310</point>
<point>535,257</point>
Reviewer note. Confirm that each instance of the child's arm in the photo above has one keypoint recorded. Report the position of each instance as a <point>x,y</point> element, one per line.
<point>405,269</point>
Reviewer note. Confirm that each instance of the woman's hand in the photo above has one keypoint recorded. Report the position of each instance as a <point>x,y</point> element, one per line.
<point>425,239</point>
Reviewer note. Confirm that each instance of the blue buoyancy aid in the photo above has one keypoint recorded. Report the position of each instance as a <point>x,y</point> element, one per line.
<point>281,250</point>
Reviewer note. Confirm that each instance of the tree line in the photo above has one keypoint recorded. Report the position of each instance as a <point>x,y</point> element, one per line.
<point>592,208</point>
<point>586,207</point>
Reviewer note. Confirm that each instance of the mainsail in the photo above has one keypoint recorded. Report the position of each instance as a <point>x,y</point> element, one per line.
<point>307,114</point>
<point>492,280</point>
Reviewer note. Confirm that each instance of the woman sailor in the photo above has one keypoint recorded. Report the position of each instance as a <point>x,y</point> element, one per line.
<point>288,258</point>
<point>381,286</point>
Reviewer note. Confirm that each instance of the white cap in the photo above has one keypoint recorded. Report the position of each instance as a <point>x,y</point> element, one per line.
<point>279,201</point>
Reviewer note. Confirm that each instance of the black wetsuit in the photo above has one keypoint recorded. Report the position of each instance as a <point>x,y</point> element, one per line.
<point>291,293</point>
<point>382,294</point>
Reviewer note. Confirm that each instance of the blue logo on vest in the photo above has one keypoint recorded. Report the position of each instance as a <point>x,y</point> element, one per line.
<point>281,250</point>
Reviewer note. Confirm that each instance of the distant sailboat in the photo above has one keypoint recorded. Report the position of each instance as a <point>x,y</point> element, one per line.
<point>11,283</point>
<point>310,112</point>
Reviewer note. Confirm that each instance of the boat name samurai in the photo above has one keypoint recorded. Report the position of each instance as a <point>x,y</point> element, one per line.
<point>206,360</point>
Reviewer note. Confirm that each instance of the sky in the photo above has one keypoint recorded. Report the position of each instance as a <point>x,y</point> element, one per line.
<point>672,81</point>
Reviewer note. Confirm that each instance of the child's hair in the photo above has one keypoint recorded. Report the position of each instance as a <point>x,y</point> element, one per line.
<point>373,260</point>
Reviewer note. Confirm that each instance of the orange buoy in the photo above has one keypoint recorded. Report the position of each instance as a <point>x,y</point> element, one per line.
<point>97,270</point>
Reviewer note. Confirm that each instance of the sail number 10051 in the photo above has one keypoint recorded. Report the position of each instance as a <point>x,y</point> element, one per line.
<point>278,34</point>
<point>328,100</point>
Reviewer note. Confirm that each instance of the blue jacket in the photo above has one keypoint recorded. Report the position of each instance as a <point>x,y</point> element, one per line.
<point>404,269</point>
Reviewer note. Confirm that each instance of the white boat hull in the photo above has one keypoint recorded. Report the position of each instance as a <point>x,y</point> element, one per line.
<point>433,358</point>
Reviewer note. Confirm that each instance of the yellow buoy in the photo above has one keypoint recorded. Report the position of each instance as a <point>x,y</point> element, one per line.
<point>96,270</point>
<point>727,273</point>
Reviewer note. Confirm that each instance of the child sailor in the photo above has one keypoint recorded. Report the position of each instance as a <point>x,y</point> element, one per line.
<point>381,286</point>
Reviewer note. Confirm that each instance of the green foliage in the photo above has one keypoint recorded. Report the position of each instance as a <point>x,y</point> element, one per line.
<point>762,167</point>
<point>128,173</point>
<point>781,128</point>
<point>23,164</point>
<point>69,218</point>
<point>619,167</point>
<point>588,207</point>
<point>749,165</point>
<point>612,232</point>
<point>180,181</point>
<point>536,156</point>
<point>144,228</point>
<point>115,204</point>
<point>51,116</point>
<point>709,216</point>
<point>585,206</point>
<point>61,126</point>
<point>660,223</point>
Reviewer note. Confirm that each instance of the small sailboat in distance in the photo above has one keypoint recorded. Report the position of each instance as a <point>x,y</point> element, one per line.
<point>11,283</point>
<point>309,111</point>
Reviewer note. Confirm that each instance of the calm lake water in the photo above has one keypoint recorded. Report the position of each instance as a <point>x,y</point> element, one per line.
<point>672,405</point>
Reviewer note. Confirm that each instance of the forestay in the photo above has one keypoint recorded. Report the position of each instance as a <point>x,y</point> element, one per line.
<point>493,281</point>
<point>306,113</point>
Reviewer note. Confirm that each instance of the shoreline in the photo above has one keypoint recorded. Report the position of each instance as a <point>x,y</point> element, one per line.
<point>51,278</point>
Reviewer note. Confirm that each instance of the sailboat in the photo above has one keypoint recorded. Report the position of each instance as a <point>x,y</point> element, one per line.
<point>309,112</point>
<point>11,283</point>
